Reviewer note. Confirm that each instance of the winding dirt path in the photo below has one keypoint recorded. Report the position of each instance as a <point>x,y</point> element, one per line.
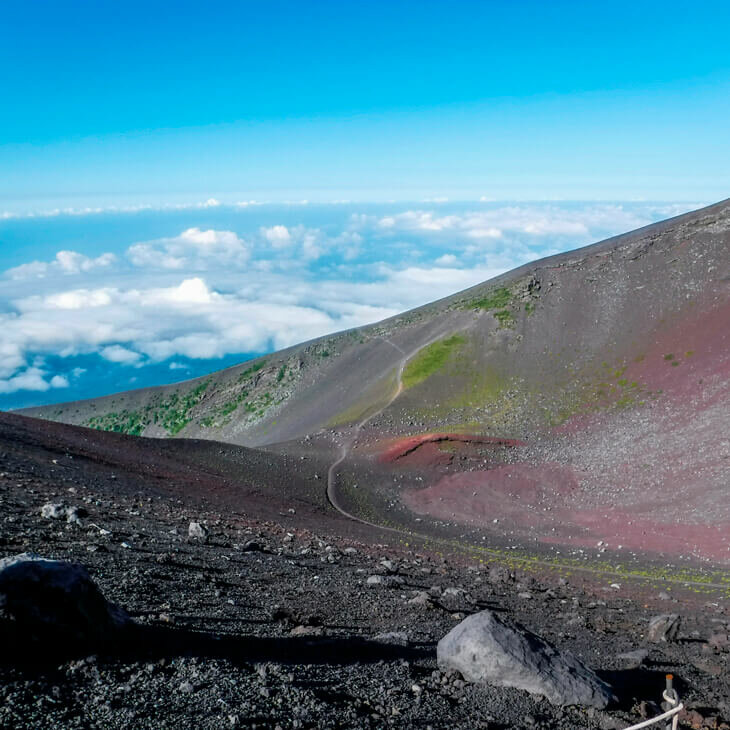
<point>352,440</point>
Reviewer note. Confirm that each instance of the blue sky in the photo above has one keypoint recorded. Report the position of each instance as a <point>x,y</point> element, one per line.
<point>183,186</point>
<point>150,102</point>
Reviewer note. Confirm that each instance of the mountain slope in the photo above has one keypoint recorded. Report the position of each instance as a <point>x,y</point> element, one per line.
<point>526,350</point>
<point>581,400</point>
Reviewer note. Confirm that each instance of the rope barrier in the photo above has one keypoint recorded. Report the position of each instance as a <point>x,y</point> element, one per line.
<point>671,698</point>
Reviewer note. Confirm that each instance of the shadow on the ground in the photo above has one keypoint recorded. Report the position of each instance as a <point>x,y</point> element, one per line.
<point>634,685</point>
<point>144,643</point>
<point>286,650</point>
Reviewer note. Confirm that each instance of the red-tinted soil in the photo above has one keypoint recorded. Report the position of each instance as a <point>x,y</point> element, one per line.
<point>515,493</point>
<point>428,449</point>
<point>650,477</point>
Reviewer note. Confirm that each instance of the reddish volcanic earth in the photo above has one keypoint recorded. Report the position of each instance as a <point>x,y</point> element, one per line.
<point>650,479</point>
<point>427,449</point>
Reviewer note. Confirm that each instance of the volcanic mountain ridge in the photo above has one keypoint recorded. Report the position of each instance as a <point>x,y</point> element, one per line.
<point>581,400</point>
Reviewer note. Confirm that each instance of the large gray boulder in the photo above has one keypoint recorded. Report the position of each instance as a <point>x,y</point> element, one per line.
<point>486,649</point>
<point>57,601</point>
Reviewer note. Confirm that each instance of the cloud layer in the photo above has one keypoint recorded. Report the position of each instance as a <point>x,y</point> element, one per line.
<point>66,262</point>
<point>204,293</point>
<point>193,249</point>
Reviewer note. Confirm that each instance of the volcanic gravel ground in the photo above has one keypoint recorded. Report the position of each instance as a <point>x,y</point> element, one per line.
<point>274,626</point>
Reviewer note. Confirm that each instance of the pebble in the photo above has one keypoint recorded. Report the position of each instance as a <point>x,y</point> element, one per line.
<point>198,531</point>
<point>386,581</point>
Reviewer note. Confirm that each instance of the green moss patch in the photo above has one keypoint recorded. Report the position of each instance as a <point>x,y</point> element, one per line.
<point>497,299</point>
<point>482,386</point>
<point>504,317</point>
<point>431,359</point>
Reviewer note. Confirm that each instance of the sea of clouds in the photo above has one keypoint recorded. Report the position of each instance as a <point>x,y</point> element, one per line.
<point>99,299</point>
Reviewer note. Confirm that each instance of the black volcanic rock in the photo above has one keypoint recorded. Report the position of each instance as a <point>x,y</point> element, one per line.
<point>212,616</point>
<point>664,627</point>
<point>57,602</point>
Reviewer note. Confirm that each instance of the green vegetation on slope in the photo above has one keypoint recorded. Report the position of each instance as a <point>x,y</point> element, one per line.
<point>172,413</point>
<point>497,299</point>
<point>431,359</point>
<point>248,372</point>
<point>504,317</point>
<point>250,397</point>
<point>500,300</point>
<point>480,387</point>
<point>176,412</point>
<point>129,422</point>
<point>254,391</point>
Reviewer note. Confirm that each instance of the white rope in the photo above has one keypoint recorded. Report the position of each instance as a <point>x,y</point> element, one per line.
<point>672,699</point>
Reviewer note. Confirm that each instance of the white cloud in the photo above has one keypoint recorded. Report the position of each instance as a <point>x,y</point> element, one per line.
<point>440,281</point>
<point>77,299</point>
<point>32,378</point>
<point>32,270</point>
<point>136,208</point>
<point>147,256</point>
<point>311,242</point>
<point>211,240</point>
<point>448,259</point>
<point>193,249</point>
<point>190,319</point>
<point>535,220</point>
<point>418,220</point>
<point>277,236</point>
<point>12,353</point>
<point>71,262</point>
<point>66,262</point>
<point>119,354</point>
<point>484,233</point>
<point>188,292</point>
